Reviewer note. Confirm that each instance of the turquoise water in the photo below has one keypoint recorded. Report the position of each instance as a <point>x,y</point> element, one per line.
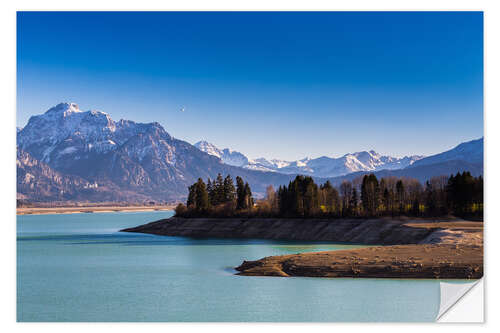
<point>78,267</point>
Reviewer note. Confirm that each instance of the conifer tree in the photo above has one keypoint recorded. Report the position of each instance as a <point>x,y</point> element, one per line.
<point>201,196</point>
<point>218,188</point>
<point>400,195</point>
<point>229,190</point>
<point>370,193</point>
<point>460,194</point>
<point>210,192</point>
<point>248,197</point>
<point>240,193</point>
<point>387,200</point>
<point>191,200</point>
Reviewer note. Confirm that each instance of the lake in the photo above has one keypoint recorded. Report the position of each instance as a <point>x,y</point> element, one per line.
<point>78,267</point>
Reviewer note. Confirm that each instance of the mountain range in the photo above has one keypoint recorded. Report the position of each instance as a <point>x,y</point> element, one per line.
<point>320,167</point>
<point>86,156</point>
<point>67,154</point>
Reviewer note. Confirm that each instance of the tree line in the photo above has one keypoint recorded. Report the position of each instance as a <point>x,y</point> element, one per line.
<point>366,196</point>
<point>219,197</point>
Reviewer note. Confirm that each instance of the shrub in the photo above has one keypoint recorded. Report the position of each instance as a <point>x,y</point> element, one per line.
<point>181,210</point>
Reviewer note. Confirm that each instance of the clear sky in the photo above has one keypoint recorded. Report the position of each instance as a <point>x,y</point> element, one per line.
<point>274,85</point>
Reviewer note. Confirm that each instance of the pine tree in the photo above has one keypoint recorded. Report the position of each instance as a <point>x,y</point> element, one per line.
<point>218,188</point>
<point>210,191</point>
<point>296,199</point>
<point>370,194</point>
<point>201,200</point>
<point>248,197</point>
<point>387,200</point>
<point>400,195</point>
<point>191,200</point>
<point>229,190</point>
<point>240,193</point>
<point>430,198</point>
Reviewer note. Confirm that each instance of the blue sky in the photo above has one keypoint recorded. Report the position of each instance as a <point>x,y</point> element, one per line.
<point>277,85</point>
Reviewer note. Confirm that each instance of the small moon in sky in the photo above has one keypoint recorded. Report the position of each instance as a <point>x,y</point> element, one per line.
<point>183,109</point>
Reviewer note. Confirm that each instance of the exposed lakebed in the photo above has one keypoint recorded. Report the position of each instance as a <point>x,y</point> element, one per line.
<point>420,248</point>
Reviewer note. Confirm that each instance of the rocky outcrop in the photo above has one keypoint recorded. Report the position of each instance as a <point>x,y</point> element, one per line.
<point>38,182</point>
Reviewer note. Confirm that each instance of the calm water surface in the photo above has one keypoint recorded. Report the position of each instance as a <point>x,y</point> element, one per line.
<point>78,267</point>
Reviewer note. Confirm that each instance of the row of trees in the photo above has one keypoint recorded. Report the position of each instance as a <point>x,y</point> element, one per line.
<point>218,197</point>
<point>460,194</point>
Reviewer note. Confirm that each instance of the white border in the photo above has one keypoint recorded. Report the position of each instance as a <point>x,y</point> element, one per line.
<point>7,132</point>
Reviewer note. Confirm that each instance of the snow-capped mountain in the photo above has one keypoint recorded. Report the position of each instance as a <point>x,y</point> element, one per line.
<point>321,167</point>
<point>227,156</point>
<point>65,133</point>
<point>138,161</point>
<point>70,154</point>
<point>467,156</point>
<point>471,152</point>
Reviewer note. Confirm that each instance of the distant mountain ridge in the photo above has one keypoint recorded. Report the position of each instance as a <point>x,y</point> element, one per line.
<point>320,167</point>
<point>226,155</point>
<point>69,154</point>
<point>467,156</point>
<point>471,152</point>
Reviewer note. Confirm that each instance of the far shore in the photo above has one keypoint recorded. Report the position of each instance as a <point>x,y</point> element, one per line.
<point>89,209</point>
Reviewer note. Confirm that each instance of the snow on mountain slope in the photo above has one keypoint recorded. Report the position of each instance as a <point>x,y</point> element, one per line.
<point>208,148</point>
<point>321,167</point>
<point>471,152</point>
<point>133,160</point>
<point>65,133</point>
<point>227,156</point>
<point>89,144</point>
<point>65,152</point>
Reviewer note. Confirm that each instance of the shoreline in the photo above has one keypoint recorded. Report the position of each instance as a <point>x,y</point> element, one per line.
<point>89,209</point>
<point>410,248</point>
<point>454,250</point>
<point>426,261</point>
<point>375,231</point>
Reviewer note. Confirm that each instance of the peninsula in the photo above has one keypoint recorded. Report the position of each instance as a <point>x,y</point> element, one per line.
<point>403,247</point>
<point>415,248</point>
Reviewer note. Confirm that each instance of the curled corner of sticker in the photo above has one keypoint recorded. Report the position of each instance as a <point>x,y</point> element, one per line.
<point>451,294</point>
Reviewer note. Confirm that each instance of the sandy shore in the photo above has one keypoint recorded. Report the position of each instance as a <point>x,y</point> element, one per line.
<point>90,209</point>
